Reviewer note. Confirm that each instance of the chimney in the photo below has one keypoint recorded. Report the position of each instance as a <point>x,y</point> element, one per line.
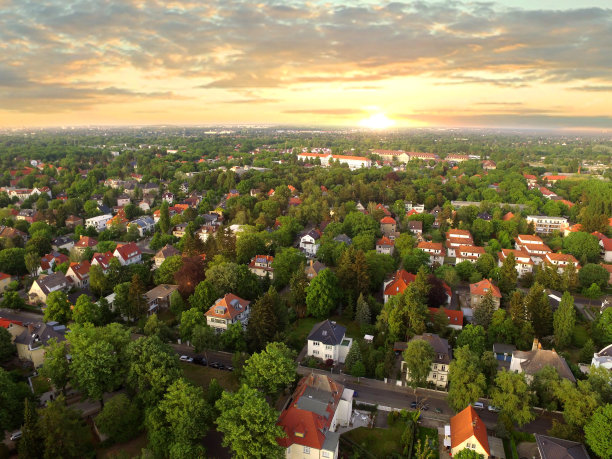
<point>311,261</point>
<point>536,345</point>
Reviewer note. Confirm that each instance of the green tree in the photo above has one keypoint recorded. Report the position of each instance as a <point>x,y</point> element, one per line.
<point>598,431</point>
<point>584,246</point>
<point>545,384</point>
<point>191,319</point>
<point>204,296</point>
<point>286,262</point>
<point>120,419</point>
<point>30,445</point>
<point>204,337</point>
<point>58,307</point>
<point>12,261</point>
<point>484,310</point>
<point>512,396</point>
<point>408,314</point>
<point>564,320</point>
<point>263,323</point>
<point>321,294</point>
<point>468,454</point>
<point>248,245</point>
<point>137,305</point>
<point>12,397</point>
<point>593,274</point>
<point>485,265</point>
<point>155,326</point>
<point>63,432</point>
<point>297,291</point>
<point>248,425</point>
<point>467,383</point>
<point>164,218</point>
<point>473,336</point>
<point>7,348</point>
<point>538,308</point>
<point>579,402</point>
<point>270,370</point>
<point>362,312</point>
<point>152,367</point>
<point>97,280</point>
<point>233,339</point>
<point>86,311</point>
<point>165,273</point>
<point>56,366</point>
<point>32,262</point>
<point>508,276</point>
<point>12,300</point>
<point>517,310</point>
<point>418,357</point>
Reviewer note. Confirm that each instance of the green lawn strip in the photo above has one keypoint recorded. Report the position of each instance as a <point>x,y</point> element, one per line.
<point>379,442</point>
<point>299,332</point>
<point>202,376</point>
<point>40,385</point>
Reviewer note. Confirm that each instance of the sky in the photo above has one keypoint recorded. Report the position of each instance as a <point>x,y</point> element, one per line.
<point>510,63</point>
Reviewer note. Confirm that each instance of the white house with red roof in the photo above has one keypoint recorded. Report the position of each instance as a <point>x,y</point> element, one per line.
<point>456,238</point>
<point>435,250</point>
<point>480,289</point>
<point>50,260</point>
<point>523,262</point>
<point>85,242</point>
<point>102,260</point>
<point>78,273</point>
<point>469,253</point>
<point>313,413</point>
<point>385,246</point>
<point>128,254</point>
<point>533,245</point>
<point>561,260</point>
<point>455,318</point>
<point>397,284</point>
<point>467,431</point>
<point>261,265</point>
<point>606,248</point>
<point>226,311</point>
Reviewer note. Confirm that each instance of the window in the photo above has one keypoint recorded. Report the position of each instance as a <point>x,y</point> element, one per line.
<point>306,450</point>
<point>315,352</point>
<point>327,347</point>
<point>435,366</point>
<point>315,343</point>
<point>325,454</point>
<point>329,356</point>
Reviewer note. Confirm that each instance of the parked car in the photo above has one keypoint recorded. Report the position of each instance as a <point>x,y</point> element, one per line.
<point>413,405</point>
<point>478,405</point>
<point>186,358</point>
<point>16,435</point>
<point>229,368</point>
<point>216,365</point>
<point>199,361</point>
<point>493,409</point>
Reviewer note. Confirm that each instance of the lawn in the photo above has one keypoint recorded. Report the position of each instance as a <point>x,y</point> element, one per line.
<point>379,442</point>
<point>203,375</point>
<point>40,385</point>
<point>299,332</point>
<point>580,335</point>
<point>132,448</point>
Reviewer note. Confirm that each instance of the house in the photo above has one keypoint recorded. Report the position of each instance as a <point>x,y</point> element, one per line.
<point>557,448</point>
<point>30,339</point>
<point>603,358</point>
<point>533,245</point>
<point>456,238</point>
<point>388,226</point>
<point>385,246</point>
<point>470,253</point>
<point>416,227</point>
<point>102,260</point>
<point>123,200</point>
<point>165,252</point>
<point>480,289</point>
<point>467,431</point>
<point>62,242</point>
<point>168,197</point>
<point>606,248</point>
<point>327,341</point>
<point>78,273</point>
<point>561,260</point>
<point>73,221</point>
<point>98,222</point>
<point>261,265</point>
<point>309,242</point>
<point>46,284</point>
<point>27,215</point>
<point>609,269</point>
<point>397,284</point>
<point>206,231</point>
<point>128,254</point>
<point>438,375</point>
<point>503,352</point>
<point>228,310</point>
<point>179,230</point>
<point>50,260</point>
<point>310,419</point>
<point>159,297</point>
<point>7,232</point>
<point>84,243</point>
<point>523,262</point>
<point>435,250</point>
<point>530,362</point>
<point>313,268</point>
<point>5,280</point>
<point>343,238</point>
<point>489,165</point>
<point>144,224</point>
<point>546,225</point>
<point>455,318</point>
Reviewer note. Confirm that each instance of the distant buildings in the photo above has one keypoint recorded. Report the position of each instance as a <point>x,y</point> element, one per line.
<point>547,225</point>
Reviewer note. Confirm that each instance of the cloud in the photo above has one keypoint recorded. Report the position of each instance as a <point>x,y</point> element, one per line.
<point>253,100</point>
<point>593,88</point>
<point>326,111</point>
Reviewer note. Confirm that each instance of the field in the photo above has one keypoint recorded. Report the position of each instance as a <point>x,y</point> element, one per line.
<point>203,375</point>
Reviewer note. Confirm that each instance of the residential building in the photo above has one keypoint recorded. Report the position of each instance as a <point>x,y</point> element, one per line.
<point>159,297</point>
<point>98,222</point>
<point>353,162</point>
<point>397,284</point>
<point>343,238</point>
<point>480,289</point>
<point>128,254</point>
<point>46,284</point>
<point>489,165</point>
<point>503,352</point>
<point>31,338</point>
<point>467,431</point>
<point>455,318</point>
<point>606,248</point>
<point>603,358</point>
<point>530,362</point>
<point>123,200</point>
<point>206,231</point>
<point>435,250</point>
<point>165,252</point>
<point>438,375</point>
<point>416,227</point>
<point>145,225</point>
<point>78,273</point>
<point>62,242</point>
<point>418,208</point>
<point>5,280</point>
<point>561,260</point>
<point>49,261</point>
<point>557,448</point>
<point>84,243</point>
<point>523,262</point>
<point>313,268</point>
<point>468,252</point>
<point>310,419</point>
<point>261,265</point>
<point>228,310</point>
<point>546,225</point>
<point>456,238</point>
<point>102,260</point>
<point>327,341</point>
<point>388,226</point>
<point>533,245</point>
<point>73,221</point>
<point>7,232</point>
<point>385,246</point>
<point>456,157</point>
<point>309,242</point>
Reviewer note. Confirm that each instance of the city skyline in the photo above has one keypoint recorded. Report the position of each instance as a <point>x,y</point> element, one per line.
<point>373,64</point>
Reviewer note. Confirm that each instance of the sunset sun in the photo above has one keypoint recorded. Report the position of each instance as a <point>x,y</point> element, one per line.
<point>377,121</point>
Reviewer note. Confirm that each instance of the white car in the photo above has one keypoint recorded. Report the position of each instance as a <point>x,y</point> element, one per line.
<point>16,435</point>
<point>478,405</point>
<point>186,358</point>
<point>493,409</point>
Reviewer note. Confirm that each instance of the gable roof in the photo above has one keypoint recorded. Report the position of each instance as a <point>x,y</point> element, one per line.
<point>52,281</point>
<point>129,250</point>
<point>454,317</point>
<point>167,251</point>
<point>440,346</point>
<point>387,221</point>
<point>483,287</point>
<point>327,332</point>
<point>466,424</point>
<point>102,259</point>
<point>54,257</point>
<point>228,307</point>
<point>401,279</point>
<point>557,448</point>
<point>385,241</point>
<point>80,270</point>
<point>86,241</point>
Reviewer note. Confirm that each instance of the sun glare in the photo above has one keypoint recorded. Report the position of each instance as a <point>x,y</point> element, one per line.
<point>377,121</point>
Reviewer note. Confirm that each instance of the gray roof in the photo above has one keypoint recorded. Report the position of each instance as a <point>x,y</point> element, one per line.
<point>502,348</point>
<point>331,440</point>
<point>38,334</point>
<point>61,240</point>
<point>327,332</point>
<point>440,345</point>
<point>557,448</point>
<point>315,401</point>
<point>537,359</point>
<point>343,238</point>
<point>51,281</point>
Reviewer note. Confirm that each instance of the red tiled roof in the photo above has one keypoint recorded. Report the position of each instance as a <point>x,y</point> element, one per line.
<point>607,244</point>
<point>401,280</point>
<point>528,238</point>
<point>555,177</point>
<point>458,233</point>
<point>230,312</point>
<point>103,259</point>
<point>129,250</point>
<point>508,216</point>
<point>562,257</point>
<point>86,241</point>
<point>4,276</point>
<point>387,220</point>
<point>5,323</point>
<point>385,241</point>
<point>466,424</point>
<point>454,317</point>
<point>81,270</point>
<point>483,287</point>
<point>426,245</point>
<point>517,254</point>
<point>530,177</point>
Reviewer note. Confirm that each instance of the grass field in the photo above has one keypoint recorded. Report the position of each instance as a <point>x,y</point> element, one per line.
<point>299,332</point>
<point>379,442</point>
<point>40,385</point>
<point>203,375</point>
